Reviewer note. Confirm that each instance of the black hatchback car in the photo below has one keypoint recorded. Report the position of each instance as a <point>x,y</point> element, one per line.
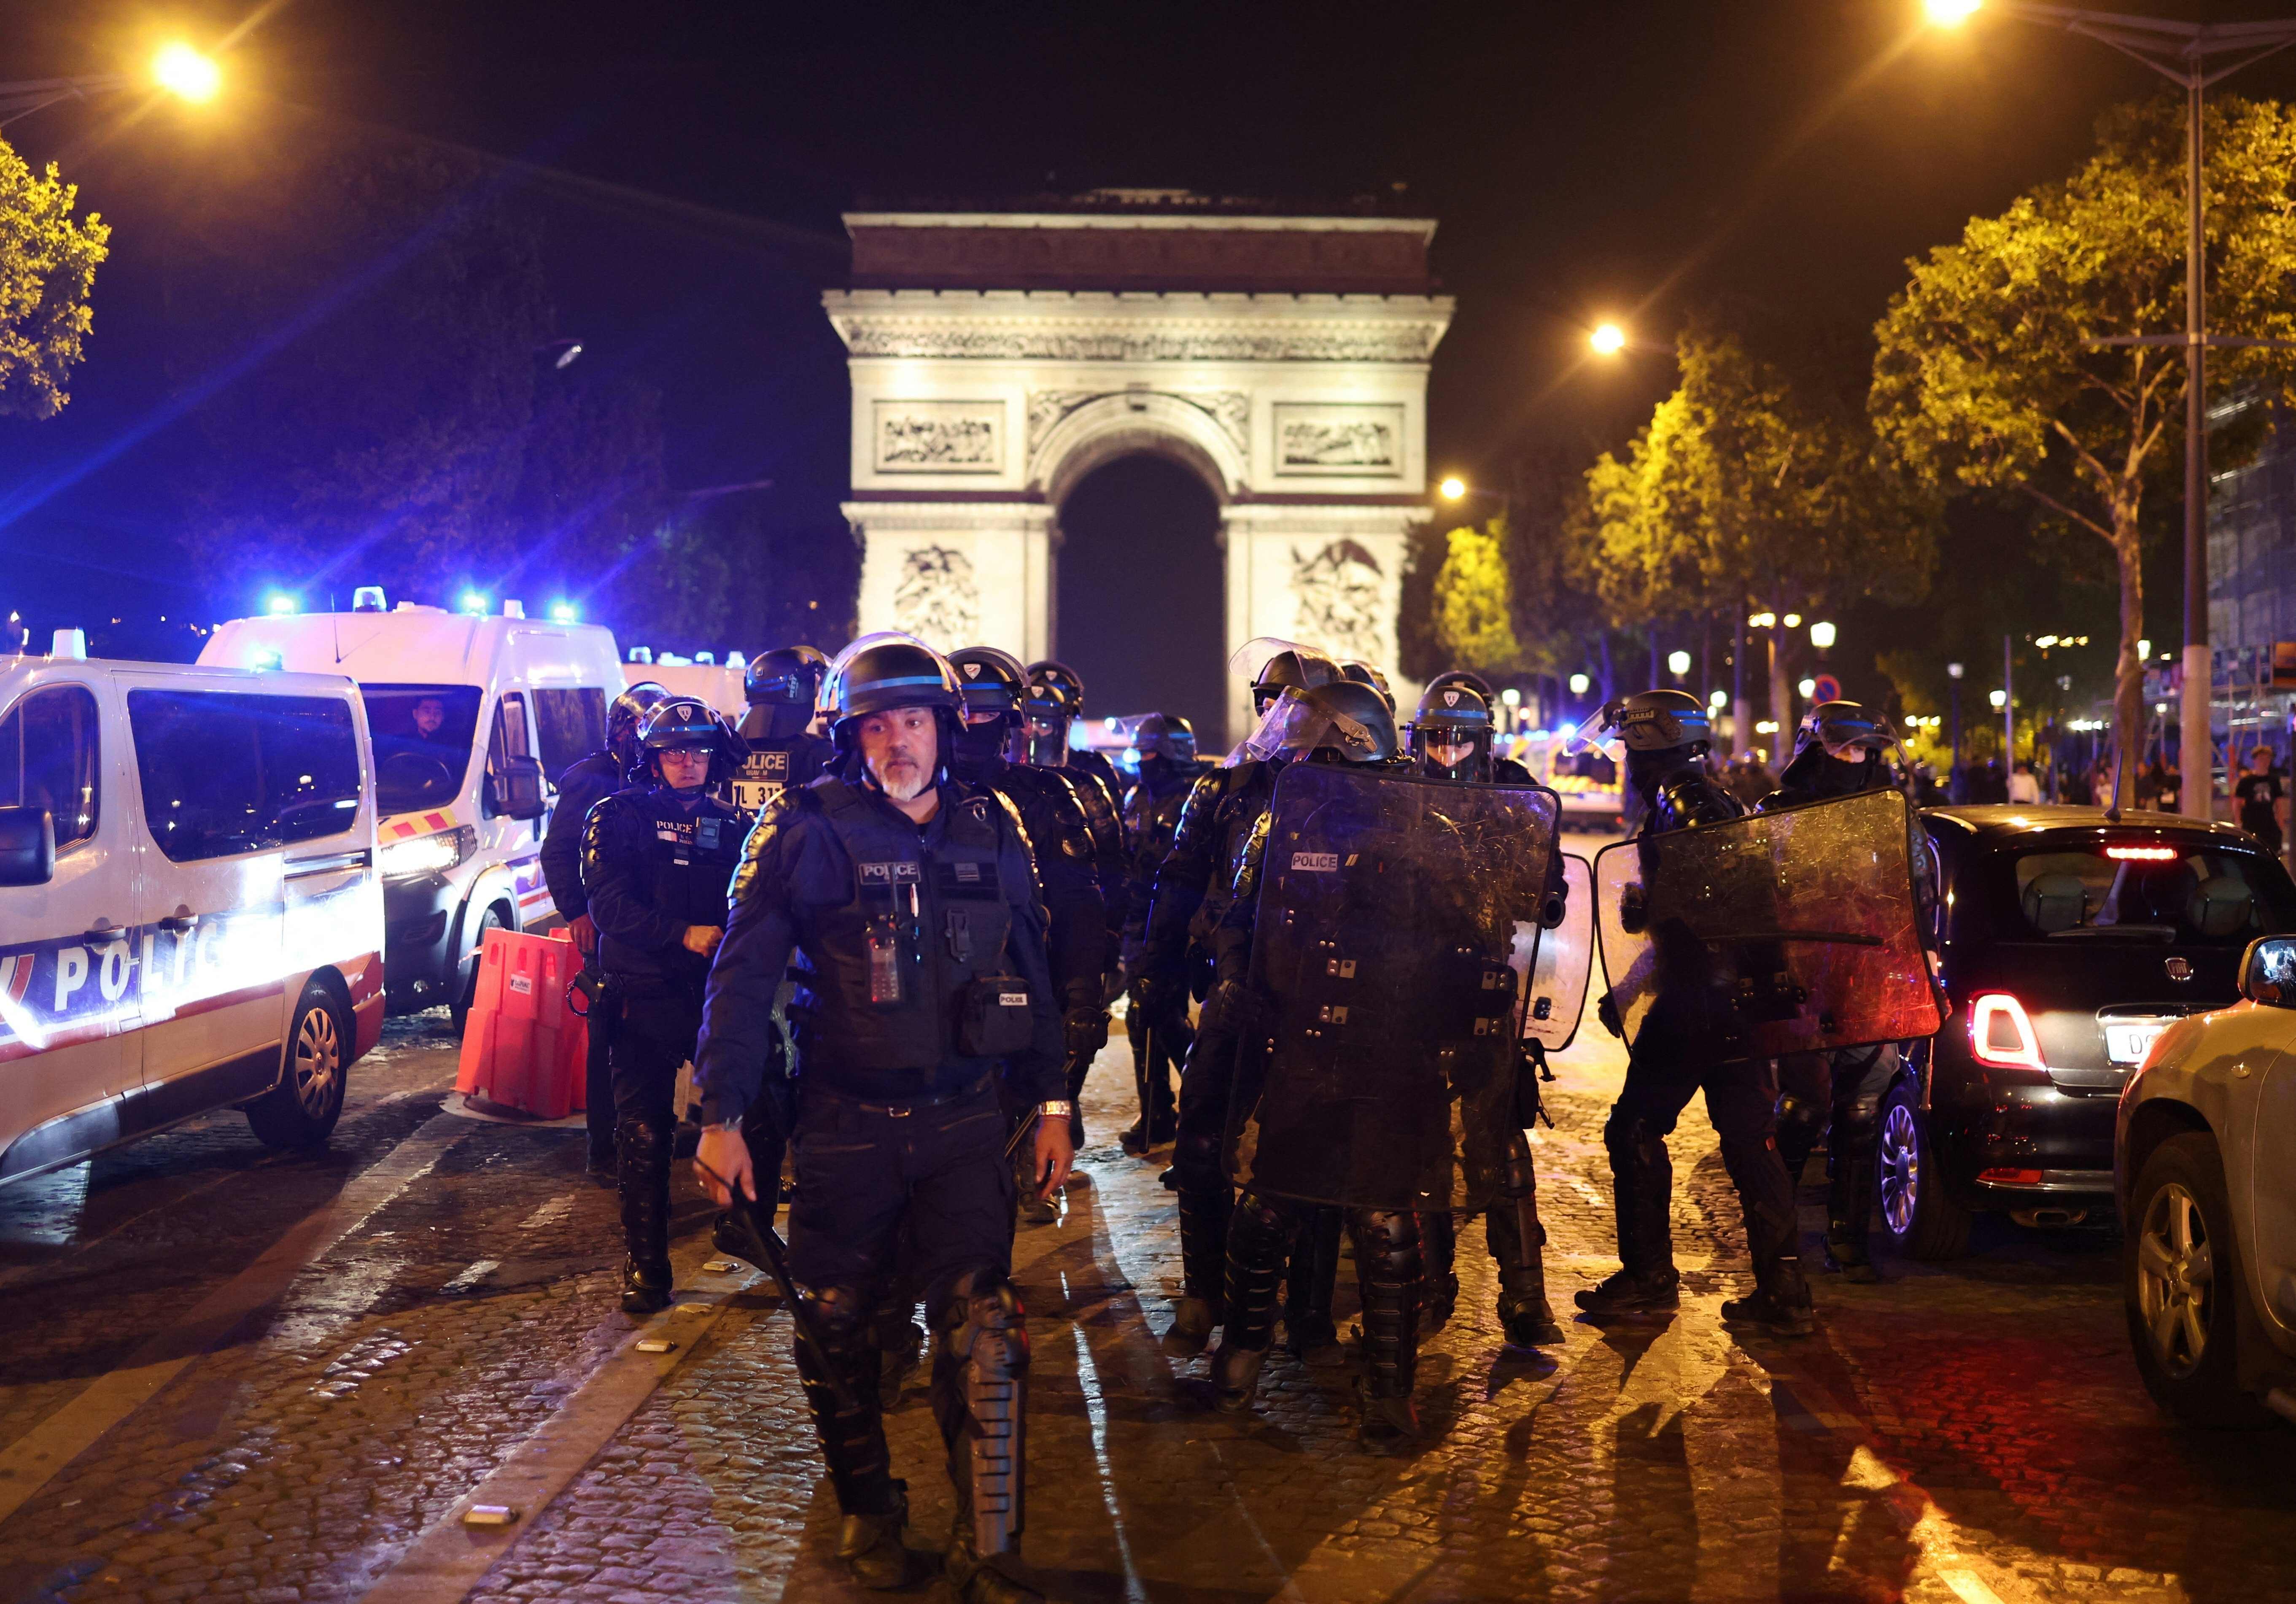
<point>2068,942</point>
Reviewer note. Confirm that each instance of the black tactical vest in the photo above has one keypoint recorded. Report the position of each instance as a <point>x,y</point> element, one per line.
<point>892,961</point>
<point>689,860</point>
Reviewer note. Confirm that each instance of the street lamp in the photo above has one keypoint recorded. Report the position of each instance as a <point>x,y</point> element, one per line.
<point>1579,683</point>
<point>187,74</point>
<point>1608,340</point>
<point>1678,662</point>
<point>2185,53</point>
<point>1453,488</point>
<point>177,69</point>
<point>1821,636</point>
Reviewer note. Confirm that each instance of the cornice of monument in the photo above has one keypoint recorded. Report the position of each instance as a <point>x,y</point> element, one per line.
<point>1137,325</point>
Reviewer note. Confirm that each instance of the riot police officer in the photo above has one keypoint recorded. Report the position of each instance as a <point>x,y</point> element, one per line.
<point>1060,838</point>
<point>1192,888</point>
<point>586,782</point>
<point>655,859</point>
<point>1450,738</point>
<point>1165,746</point>
<point>1365,673</point>
<point>1838,752</point>
<point>1674,1055</point>
<point>916,905</point>
<point>780,687</point>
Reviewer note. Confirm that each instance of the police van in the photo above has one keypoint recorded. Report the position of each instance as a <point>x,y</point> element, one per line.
<point>190,913</point>
<point>473,716</point>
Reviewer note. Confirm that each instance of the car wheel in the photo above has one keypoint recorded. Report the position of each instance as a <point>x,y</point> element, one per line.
<point>466,989</point>
<point>301,1110</point>
<point>1922,1218</point>
<point>2180,1274</point>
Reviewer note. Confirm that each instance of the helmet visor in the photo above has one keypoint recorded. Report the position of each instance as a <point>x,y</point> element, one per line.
<point>1294,726</point>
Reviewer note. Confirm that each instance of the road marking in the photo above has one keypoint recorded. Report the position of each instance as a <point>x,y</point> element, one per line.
<point>473,1275</point>
<point>31,1461</point>
<point>549,1214</point>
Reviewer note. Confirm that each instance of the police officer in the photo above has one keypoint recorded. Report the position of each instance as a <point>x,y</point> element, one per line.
<point>780,686</point>
<point>1165,746</point>
<point>916,905</point>
<point>1060,838</point>
<point>1674,1055</point>
<point>1363,674</point>
<point>1450,738</point>
<point>1055,702</point>
<point>1059,703</point>
<point>1192,888</point>
<point>1838,752</point>
<point>656,858</point>
<point>586,782</point>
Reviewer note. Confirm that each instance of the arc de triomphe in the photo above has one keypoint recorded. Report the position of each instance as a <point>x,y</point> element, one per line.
<point>999,357</point>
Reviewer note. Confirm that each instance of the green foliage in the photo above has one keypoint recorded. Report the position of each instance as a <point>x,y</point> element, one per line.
<point>48,260</point>
<point>1474,601</point>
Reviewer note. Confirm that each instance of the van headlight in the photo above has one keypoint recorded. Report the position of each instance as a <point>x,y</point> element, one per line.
<point>426,854</point>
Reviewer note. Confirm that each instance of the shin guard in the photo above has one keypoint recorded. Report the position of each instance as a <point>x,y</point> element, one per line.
<point>1259,1238</point>
<point>852,1440</point>
<point>1388,1269</point>
<point>980,1395</point>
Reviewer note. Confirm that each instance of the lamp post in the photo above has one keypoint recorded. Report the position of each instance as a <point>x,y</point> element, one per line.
<point>1953,788</point>
<point>2192,55</point>
<point>177,69</point>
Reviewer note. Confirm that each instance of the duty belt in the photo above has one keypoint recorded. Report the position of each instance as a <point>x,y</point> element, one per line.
<point>902,1110</point>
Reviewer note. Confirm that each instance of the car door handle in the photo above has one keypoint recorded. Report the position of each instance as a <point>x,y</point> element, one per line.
<point>107,932</point>
<point>181,922</point>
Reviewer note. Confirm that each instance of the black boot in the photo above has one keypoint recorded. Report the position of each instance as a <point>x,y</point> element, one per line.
<point>642,1174</point>
<point>1309,1331</point>
<point>1204,1213</point>
<point>1390,1272</point>
<point>1780,1303</point>
<point>871,1545</point>
<point>1641,1178</point>
<point>852,1438</point>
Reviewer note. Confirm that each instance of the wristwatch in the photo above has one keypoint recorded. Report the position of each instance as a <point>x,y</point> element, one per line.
<point>1055,1107</point>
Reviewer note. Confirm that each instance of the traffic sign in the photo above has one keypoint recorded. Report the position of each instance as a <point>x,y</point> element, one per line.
<point>1825,688</point>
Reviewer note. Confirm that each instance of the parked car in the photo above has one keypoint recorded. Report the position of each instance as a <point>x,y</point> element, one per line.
<point>190,913</point>
<point>2068,942</point>
<point>2206,1163</point>
<point>474,716</point>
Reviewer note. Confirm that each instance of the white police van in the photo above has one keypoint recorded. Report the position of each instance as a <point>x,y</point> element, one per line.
<point>474,716</point>
<point>190,913</point>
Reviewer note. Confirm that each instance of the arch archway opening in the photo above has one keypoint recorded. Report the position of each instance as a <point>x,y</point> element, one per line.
<point>1138,607</point>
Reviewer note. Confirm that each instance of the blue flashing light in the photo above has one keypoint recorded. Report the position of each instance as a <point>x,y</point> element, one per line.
<point>279,604</point>
<point>565,612</point>
<point>474,602</point>
<point>266,656</point>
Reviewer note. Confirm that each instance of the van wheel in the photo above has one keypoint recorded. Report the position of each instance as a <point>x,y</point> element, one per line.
<point>495,917</point>
<point>301,1110</point>
<point>2181,1274</point>
<point>1923,1222</point>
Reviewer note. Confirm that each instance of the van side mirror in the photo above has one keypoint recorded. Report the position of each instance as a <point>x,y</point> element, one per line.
<point>2267,972</point>
<point>515,790</point>
<point>27,847</point>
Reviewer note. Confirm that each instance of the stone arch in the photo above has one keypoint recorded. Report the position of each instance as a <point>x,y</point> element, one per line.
<point>1098,430</point>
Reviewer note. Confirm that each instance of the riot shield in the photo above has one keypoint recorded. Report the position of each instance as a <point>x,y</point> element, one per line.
<point>1378,1067</point>
<point>1792,931</point>
<point>1563,962</point>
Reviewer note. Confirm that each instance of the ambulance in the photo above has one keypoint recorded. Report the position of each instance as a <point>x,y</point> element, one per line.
<point>191,917</point>
<point>473,716</point>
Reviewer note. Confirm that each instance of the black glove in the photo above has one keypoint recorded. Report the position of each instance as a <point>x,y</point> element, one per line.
<point>1607,1011</point>
<point>1087,1034</point>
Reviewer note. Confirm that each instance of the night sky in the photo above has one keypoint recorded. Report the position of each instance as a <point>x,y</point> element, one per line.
<point>1625,161</point>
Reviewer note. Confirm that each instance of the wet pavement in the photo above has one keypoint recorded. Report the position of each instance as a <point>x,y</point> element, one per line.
<point>227,1374</point>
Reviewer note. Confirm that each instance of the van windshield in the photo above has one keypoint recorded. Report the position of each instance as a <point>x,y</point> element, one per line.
<point>422,738</point>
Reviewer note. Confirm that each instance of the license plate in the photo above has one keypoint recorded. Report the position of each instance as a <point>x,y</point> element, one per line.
<point>2129,1044</point>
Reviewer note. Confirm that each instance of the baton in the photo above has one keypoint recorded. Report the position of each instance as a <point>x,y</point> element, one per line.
<point>773,1259</point>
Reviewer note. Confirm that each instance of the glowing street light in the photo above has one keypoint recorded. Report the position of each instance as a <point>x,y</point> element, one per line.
<point>1608,340</point>
<point>1808,688</point>
<point>1453,488</point>
<point>187,74</point>
<point>1999,699</point>
<point>1951,13</point>
<point>1821,636</point>
<point>1678,662</point>
<point>1578,684</point>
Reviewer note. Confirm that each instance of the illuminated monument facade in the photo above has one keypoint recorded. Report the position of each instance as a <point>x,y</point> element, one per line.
<point>999,357</point>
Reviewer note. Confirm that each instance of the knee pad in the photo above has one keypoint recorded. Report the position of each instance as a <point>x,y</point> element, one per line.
<point>1633,1142</point>
<point>1196,1159</point>
<point>1801,1115</point>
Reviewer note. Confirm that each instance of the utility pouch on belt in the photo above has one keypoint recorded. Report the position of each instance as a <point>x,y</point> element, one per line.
<point>996,1020</point>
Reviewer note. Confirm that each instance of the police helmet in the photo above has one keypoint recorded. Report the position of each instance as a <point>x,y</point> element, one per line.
<point>788,674</point>
<point>1165,735</point>
<point>1659,721</point>
<point>886,670</point>
<point>992,681</point>
<point>626,713</point>
<point>1056,682</point>
<point>1838,724</point>
<point>1294,668</point>
<point>688,724</point>
<point>1453,715</point>
<point>1467,677</point>
<point>1363,674</point>
<point>1362,703</point>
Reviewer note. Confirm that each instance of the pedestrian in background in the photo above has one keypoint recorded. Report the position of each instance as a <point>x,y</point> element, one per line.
<point>2262,799</point>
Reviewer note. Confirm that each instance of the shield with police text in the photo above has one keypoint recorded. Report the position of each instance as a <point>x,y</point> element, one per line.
<point>1378,1069</point>
<point>1780,932</point>
<point>1563,963</point>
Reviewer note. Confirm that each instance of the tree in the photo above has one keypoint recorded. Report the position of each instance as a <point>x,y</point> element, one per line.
<point>1474,599</point>
<point>1985,377</point>
<point>48,260</point>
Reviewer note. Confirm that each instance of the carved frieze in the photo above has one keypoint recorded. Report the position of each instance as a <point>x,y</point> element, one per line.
<point>937,597</point>
<point>940,436</point>
<point>1353,439</point>
<point>1286,341</point>
<point>1230,410</point>
<point>1341,594</point>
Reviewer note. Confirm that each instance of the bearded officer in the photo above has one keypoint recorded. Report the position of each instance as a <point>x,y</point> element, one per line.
<point>915,903</point>
<point>780,687</point>
<point>586,782</point>
<point>1193,886</point>
<point>656,858</point>
<point>1838,752</point>
<point>1450,738</point>
<point>1164,745</point>
<point>1674,1055</point>
<point>1060,838</point>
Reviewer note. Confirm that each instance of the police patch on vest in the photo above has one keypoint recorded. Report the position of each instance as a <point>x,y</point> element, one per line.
<point>1317,862</point>
<point>889,874</point>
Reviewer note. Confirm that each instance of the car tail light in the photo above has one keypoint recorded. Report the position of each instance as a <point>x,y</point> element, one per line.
<point>2000,1034</point>
<point>2009,1177</point>
<point>2144,854</point>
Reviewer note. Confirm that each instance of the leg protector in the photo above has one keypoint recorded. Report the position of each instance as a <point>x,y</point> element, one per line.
<point>1438,1253</point>
<point>1799,1121</point>
<point>852,1441</point>
<point>642,1171</point>
<point>1257,1239</point>
<point>1388,1269</point>
<point>980,1395</point>
<point>1642,1177</point>
<point>1765,1196</point>
<point>1309,1284</point>
<point>1518,1242</point>
<point>1205,1212</point>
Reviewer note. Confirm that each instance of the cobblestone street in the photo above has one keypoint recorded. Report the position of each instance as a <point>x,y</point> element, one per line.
<point>230,1376</point>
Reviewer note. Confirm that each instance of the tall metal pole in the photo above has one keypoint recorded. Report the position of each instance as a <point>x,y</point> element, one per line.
<point>1742,728</point>
<point>2008,708</point>
<point>2196,749</point>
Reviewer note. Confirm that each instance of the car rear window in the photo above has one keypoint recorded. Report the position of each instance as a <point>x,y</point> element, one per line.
<point>226,771</point>
<point>2153,891</point>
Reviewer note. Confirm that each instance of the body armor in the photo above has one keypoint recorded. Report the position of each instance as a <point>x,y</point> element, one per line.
<point>654,866</point>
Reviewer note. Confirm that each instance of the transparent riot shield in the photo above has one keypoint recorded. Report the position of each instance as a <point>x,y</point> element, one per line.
<point>1780,932</point>
<point>1563,963</point>
<point>1378,1069</point>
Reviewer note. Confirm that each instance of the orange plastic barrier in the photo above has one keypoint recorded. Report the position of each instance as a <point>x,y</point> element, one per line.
<point>523,1049</point>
